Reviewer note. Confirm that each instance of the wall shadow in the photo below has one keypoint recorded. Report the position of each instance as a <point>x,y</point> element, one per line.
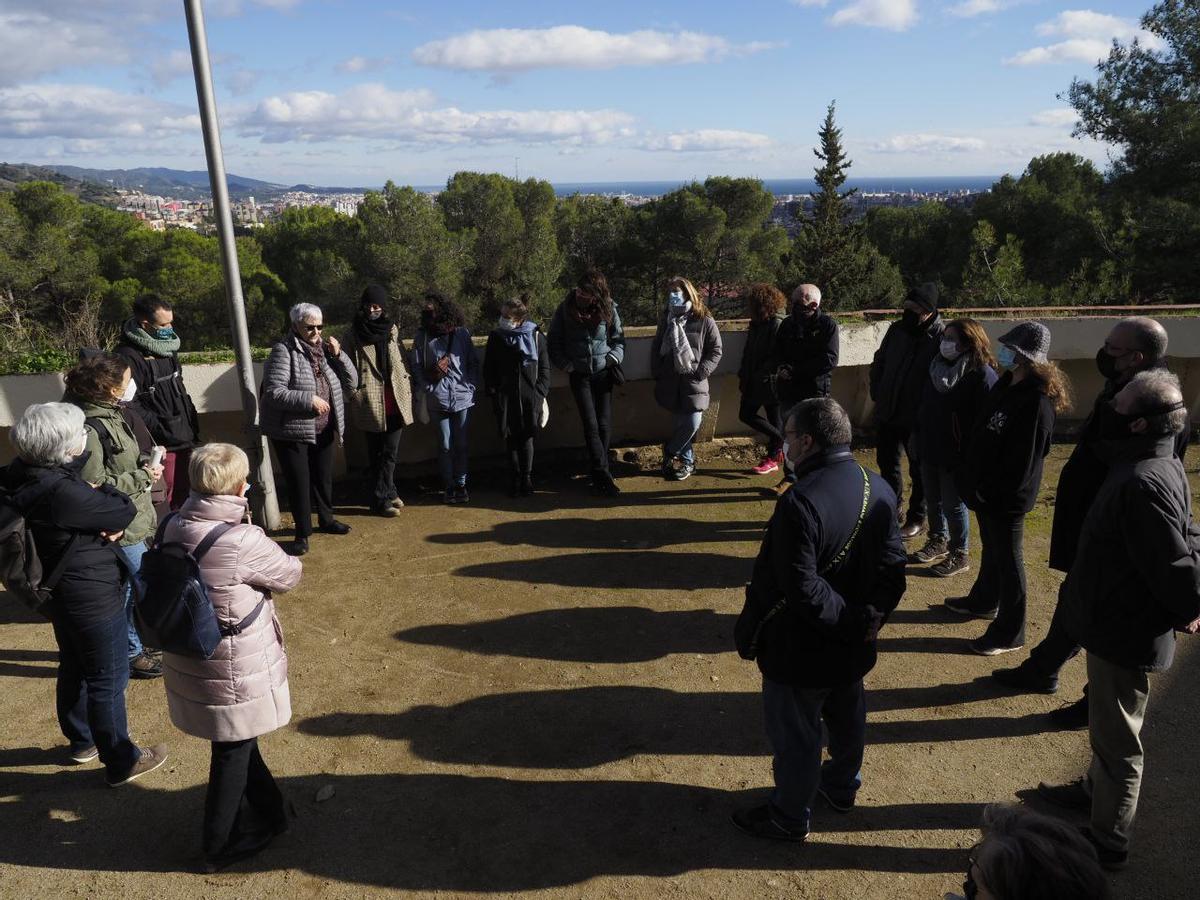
<point>604,533</point>
<point>609,634</point>
<point>455,832</point>
<point>613,570</point>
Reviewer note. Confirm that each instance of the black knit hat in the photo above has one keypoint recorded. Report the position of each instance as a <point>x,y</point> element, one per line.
<point>925,296</point>
<point>374,294</point>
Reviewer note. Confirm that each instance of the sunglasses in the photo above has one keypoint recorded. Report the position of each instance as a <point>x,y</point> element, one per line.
<point>311,328</point>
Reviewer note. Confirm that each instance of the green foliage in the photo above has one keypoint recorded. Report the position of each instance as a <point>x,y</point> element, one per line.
<point>927,242</point>
<point>995,271</point>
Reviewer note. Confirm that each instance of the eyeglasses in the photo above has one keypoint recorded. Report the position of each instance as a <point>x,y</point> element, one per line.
<point>313,327</point>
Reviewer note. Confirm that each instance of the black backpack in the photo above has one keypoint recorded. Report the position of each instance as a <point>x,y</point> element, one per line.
<point>21,567</point>
<point>173,608</point>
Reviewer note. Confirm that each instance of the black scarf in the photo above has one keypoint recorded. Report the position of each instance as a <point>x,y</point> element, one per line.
<point>377,333</point>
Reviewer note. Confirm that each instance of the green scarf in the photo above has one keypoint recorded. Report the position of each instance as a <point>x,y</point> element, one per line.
<point>139,338</point>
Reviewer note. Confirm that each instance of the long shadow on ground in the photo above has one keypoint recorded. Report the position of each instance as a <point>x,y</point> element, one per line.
<point>614,570</point>
<point>600,534</point>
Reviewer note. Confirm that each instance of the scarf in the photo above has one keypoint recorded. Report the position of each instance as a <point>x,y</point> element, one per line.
<point>945,374</point>
<point>150,346</point>
<point>316,355</point>
<point>376,333</point>
<point>677,345</point>
<point>523,339</point>
<point>591,316</point>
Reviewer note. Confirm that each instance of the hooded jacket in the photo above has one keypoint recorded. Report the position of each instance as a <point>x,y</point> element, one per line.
<point>899,369</point>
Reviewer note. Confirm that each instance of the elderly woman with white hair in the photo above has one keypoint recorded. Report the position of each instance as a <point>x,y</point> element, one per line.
<point>241,692</point>
<point>304,415</point>
<point>75,527</point>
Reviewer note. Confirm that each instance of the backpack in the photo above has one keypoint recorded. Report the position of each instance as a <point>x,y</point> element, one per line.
<point>173,608</point>
<point>21,568</point>
<point>107,448</point>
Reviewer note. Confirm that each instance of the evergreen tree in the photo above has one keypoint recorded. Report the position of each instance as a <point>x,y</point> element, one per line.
<point>829,204</point>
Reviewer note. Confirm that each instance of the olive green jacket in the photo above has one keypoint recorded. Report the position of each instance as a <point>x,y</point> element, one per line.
<point>123,470</point>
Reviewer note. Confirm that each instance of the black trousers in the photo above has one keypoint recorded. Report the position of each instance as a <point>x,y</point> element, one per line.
<point>593,396</point>
<point>383,449</point>
<point>1001,581</point>
<point>242,800</point>
<point>308,470</point>
<point>1057,647</point>
<point>766,423</point>
<point>520,454</point>
<point>890,440</point>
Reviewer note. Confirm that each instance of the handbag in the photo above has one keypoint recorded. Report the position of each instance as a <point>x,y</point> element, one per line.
<point>617,374</point>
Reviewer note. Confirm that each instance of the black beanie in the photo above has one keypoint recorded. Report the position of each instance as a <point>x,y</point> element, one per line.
<point>374,294</point>
<point>925,296</point>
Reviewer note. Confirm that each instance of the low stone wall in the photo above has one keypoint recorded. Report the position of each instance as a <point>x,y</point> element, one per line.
<point>637,419</point>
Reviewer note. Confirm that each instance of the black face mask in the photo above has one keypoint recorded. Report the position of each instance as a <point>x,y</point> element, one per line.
<point>426,318</point>
<point>911,319</point>
<point>1107,364</point>
<point>1114,426</point>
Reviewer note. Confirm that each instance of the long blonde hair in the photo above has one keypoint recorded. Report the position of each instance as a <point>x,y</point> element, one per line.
<point>699,310</point>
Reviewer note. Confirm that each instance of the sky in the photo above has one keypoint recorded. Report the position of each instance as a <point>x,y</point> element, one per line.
<point>344,92</point>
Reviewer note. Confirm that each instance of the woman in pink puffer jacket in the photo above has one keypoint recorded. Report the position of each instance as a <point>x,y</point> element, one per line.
<point>242,691</point>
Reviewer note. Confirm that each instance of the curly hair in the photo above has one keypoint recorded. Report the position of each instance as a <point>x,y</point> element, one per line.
<point>96,378</point>
<point>445,311</point>
<point>979,347</point>
<point>764,301</point>
<point>1055,384</point>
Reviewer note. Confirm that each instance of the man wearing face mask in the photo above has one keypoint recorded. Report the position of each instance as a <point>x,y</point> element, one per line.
<point>1135,344</point>
<point>898,374</point>
<point>805,352</point>
<point>149,342</point>
<point>829,573</point>
<point>1134,582</point>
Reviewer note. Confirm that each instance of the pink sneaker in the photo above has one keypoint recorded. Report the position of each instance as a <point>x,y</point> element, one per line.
<point>766,467</point>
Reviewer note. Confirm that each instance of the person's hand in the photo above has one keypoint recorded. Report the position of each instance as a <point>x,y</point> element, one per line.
<point>156,472</point>
<point>784,373</point>
<point>113,535</point>
<point>874,622</point>
<point>443,364</point>
<point>334,346</point>
<point>320,406</point>
<point>1191,627</point>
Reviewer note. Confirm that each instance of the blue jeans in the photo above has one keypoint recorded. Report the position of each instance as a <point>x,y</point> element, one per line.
<point>93,669</point>
<point>793,716</point>
<point>452,447</point>
<point>679,444</point>
<point>133,553</point>
<point>945,507</point>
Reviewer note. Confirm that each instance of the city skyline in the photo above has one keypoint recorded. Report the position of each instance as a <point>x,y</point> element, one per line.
<point>355,93</point>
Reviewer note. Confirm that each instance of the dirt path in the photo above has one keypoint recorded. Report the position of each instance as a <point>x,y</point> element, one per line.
<point>539,697</point>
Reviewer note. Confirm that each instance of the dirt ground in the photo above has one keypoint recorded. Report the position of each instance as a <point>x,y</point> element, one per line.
<point>539,697</point>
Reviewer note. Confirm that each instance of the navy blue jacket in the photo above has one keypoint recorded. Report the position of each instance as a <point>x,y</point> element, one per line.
<point>816,638</point>
<point>945,421</point>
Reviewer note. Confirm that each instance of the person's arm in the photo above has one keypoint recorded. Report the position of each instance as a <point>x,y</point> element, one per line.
<point>815,365</point>
<point>1168,566</point>
<point>417,361</point>
<point>832,345</point>
<point>806,591</point>
<point>710,351</point>
<point>1023,444</point>
<point>94,471</point>
<point>616,338</point>
<point>878,364</point>
<point>470,359</point>
<point>262,563</point>
<point>491,365</point>
<point>557,340</point>
<point>543,379</point>
<point>277,374</point>
<point>76,506</point>
<point>890,582</point>
<point>344,368</point>
<point>656,350</point>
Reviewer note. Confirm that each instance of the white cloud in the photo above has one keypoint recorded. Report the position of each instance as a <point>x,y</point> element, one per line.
<point>32,44</point>
<point>373,110</point>
<point>1087,37</point>
<point>88,112</point>
<point>166,69</point>
<point>574,47</point>
<point>929,144</point>
<point>895,15</point>
<point>358,64</point>
<point>707,140</point>
<point>971,8</point>
<point>810,2</point>
<point>1055,118</point>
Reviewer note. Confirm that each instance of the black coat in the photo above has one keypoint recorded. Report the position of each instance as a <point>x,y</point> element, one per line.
<point>1002,469</point>
<point>810,347</point>
<point>945,421</point>
<point>162,399</point>
<point>1136,576</point>
<point>754,373</point>
<point>58,504</point>
<point>817,638</point>
<point>516,385</point>
<point>1081,478</point>
<point>899,368</point>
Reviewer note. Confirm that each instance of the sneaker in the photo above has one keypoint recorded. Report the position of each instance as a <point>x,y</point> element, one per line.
<point>684,471</point>
<point>151,758</point>
<point>388,512</point>
<point>985,646</point>
<point>961,606</point>
<point>758,822</point>
<point>461,495</point>
<point>397,503</point>
<point>1072,795</point>
<point>143,666</point>
<point>956,562</point>
<point>766,467</point>
<point>84,756</point>
<point>935,548</point>
<point>1110,860</point>
<point>670,470</point>
<point>1026,679</point>
<point>912,530</point>
<point>836,803</point>
<point>334,527</point>
<point>1073,717</point>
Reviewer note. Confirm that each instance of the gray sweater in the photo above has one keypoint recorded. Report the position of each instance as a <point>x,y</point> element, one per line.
<point>288,388</point>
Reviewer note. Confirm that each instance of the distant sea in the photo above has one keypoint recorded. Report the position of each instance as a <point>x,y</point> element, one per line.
<point>777,186</point>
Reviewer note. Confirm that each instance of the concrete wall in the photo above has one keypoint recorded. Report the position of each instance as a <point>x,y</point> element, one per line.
<point>636,417</point>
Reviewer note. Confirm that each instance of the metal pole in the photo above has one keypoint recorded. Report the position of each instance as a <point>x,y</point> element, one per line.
<point>263,500</point>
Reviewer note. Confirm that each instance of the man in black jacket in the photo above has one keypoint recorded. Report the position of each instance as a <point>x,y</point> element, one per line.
<point>829,573</point>
<point>148,340</point>
<point>898,374</point>
<point>1134,583</point>
<point>1135,344</point>
<point>805,351</point>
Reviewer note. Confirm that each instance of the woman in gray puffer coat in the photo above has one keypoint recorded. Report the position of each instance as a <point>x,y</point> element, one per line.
<point>304,415</point>
<point>685,351</point>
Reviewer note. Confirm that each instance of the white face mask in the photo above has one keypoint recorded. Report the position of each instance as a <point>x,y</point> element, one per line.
<point>507,324</point>
<point>949,350</point>
<point>676,299</point>
<point>784,448</point>
<point>375,314</point>
<point>130,392</point>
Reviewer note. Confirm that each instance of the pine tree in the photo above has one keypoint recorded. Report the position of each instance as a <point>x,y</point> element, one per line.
<point>829,205</point>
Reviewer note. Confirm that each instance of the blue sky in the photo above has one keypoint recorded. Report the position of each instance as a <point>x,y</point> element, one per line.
<point>350,92</point>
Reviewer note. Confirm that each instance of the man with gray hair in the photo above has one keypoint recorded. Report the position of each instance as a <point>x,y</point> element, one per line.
<point>829,573</point>
<point>1134,583</point>
<point>805,352</point>
<point>1134,344</point>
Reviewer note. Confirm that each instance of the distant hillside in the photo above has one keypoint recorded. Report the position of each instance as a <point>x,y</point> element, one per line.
<point>13,174</point>
<point>170,182</point>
